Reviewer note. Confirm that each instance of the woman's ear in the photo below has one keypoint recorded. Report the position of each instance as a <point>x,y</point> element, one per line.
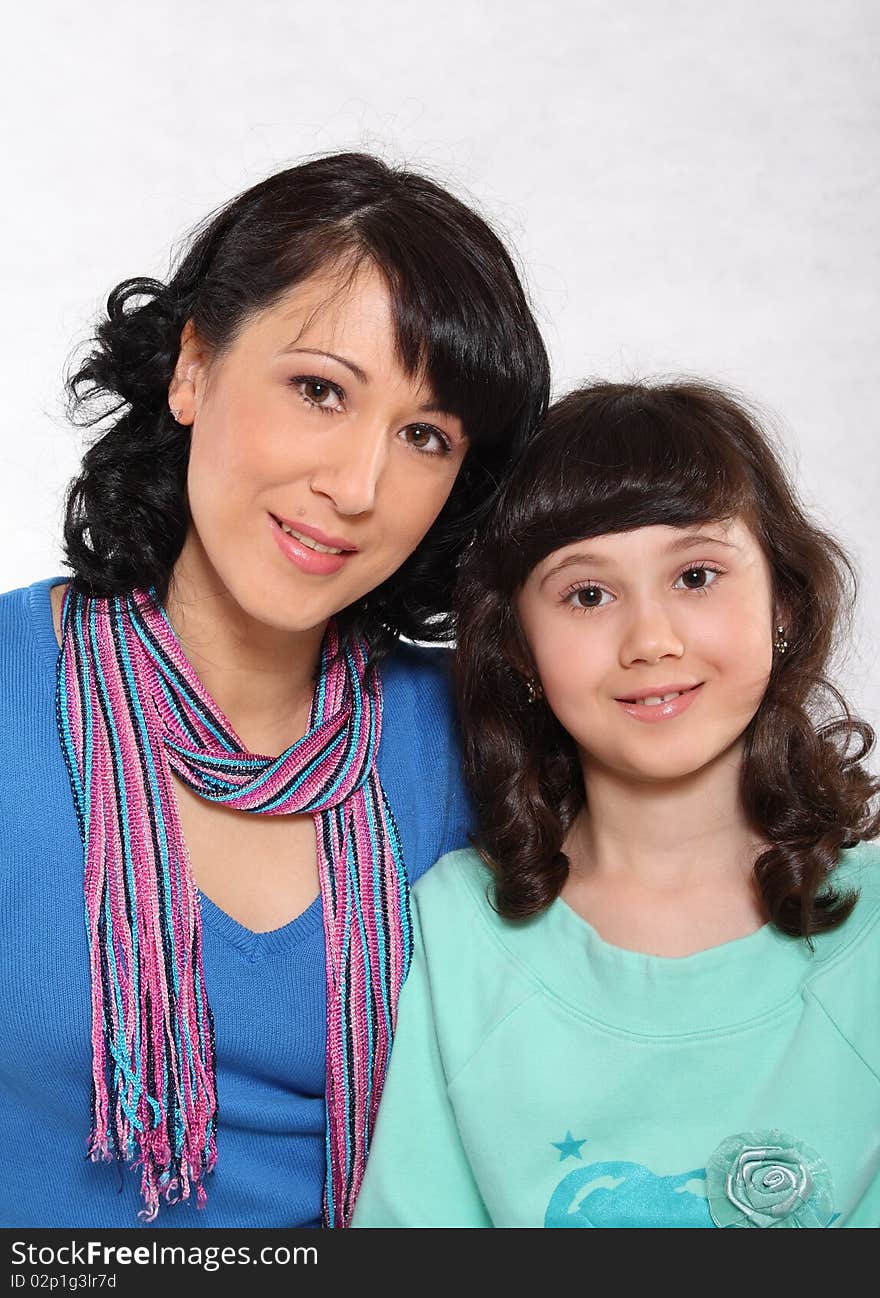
<point>187,384</point>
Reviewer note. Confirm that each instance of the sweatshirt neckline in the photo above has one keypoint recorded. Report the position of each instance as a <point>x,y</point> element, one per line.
<point>721,988</point>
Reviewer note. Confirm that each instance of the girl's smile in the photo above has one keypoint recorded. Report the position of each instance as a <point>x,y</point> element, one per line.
<point>660,703</point>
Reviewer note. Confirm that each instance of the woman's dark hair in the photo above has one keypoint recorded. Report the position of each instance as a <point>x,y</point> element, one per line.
<point>461,318</point>
<point>611,458</point>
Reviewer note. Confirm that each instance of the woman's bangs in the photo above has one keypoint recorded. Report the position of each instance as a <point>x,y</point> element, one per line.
<point>459,326</point>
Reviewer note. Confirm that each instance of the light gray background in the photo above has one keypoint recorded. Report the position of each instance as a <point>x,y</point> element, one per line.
<point>691,185</point>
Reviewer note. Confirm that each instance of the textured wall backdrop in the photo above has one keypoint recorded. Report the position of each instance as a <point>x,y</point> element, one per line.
<point>691,186</point>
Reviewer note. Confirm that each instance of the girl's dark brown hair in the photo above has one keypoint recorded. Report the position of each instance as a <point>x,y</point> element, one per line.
<point>611,458</point>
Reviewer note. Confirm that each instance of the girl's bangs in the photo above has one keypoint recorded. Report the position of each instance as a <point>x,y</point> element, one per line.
<point>637,468</point>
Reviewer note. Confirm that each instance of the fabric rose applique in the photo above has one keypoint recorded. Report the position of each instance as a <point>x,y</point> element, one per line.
<point>767,1178</point>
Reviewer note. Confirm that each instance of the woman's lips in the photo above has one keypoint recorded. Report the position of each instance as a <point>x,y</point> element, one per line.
<point>317,562</point>
<point>654,712</point>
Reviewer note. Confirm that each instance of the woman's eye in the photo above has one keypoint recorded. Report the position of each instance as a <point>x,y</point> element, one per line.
<point>319,393</point>
<point>423,437</point>
<point>589,597</point>
<point>696,578</point>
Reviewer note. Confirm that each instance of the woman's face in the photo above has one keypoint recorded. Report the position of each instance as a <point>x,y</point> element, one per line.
<point>317,465</point>
<point>619,622</point>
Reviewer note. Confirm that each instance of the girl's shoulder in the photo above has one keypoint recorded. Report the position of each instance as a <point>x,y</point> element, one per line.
<point>454,898</point>
<point>845,980</point>
<point>858,872</point>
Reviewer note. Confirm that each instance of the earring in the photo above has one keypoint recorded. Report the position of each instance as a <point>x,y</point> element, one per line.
<point>780,644</point>
<point>176,413</point>
<point>533,690</point>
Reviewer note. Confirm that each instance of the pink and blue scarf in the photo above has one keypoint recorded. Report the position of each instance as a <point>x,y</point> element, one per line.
<point>131,711</point>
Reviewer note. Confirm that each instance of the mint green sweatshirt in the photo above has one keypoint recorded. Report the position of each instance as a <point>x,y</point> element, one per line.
<point>542,1077</point>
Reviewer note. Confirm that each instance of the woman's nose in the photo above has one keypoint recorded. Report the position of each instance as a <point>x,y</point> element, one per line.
<point>650,636</point>
<point>351,467</point>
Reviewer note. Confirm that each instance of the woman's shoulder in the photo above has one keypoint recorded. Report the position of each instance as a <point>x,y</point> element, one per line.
<point>26,620</point>
<point>418,673</point>
<point>419,756</point>
<point>418,704</point>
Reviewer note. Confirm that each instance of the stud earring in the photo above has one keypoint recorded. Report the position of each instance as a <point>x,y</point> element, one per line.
<point>176,412</point>
<point>780,644</point>
<point>533,690</point>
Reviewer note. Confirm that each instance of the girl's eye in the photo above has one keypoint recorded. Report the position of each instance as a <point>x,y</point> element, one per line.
<point>426,438</point>
<point>320,394</point>
<point>697,577</point>
<point>588,597</point>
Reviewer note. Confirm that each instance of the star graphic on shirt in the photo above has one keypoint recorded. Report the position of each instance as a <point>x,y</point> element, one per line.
<point>568,1148</point>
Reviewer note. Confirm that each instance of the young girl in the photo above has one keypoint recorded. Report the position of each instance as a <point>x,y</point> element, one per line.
<point>655,1000</point>
<point>302,428</point>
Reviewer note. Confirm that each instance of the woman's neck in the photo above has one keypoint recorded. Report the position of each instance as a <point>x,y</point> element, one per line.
<point>260,676</point>
<point>665,867</point>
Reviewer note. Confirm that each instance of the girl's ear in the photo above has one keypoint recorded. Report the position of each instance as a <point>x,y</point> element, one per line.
<point>783,631</point>
<point>519,655</point>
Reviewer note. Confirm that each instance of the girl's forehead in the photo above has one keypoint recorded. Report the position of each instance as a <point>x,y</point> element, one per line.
<point>658,542</point>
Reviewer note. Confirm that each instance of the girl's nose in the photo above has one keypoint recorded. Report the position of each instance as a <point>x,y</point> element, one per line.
<point>650,636</point>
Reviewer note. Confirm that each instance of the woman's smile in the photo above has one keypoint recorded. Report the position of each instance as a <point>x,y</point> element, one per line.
<point>311,550</point>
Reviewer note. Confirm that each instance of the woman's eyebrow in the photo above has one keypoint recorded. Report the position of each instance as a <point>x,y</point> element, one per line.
<point>429,407</point>
<point>356,370</point>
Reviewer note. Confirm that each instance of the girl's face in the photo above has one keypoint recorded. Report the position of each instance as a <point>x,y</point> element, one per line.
<point>317,465</point>
<point>654,647</point>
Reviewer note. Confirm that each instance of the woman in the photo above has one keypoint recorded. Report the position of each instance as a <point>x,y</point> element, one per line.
<point>651,999</point>
<point>302,428</point>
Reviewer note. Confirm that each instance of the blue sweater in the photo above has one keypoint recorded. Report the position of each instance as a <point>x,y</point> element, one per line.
<point>267,990</point>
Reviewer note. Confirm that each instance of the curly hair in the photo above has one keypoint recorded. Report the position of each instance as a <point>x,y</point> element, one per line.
<point>461,319</point>
<point>611,458</point>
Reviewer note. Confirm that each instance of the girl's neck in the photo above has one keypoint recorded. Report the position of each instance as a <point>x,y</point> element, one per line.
<point>665,868</point>
<point>261,677</point>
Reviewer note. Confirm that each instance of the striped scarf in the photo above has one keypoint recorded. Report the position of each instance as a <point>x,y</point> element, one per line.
<point>131,711</point>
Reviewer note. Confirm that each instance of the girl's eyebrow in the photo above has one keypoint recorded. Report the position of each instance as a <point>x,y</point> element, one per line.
<point>599,560</point>
<point>697,538</point>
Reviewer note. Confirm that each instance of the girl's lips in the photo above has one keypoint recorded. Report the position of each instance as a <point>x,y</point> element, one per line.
<point>305,558</point>
<point>660,711</point>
